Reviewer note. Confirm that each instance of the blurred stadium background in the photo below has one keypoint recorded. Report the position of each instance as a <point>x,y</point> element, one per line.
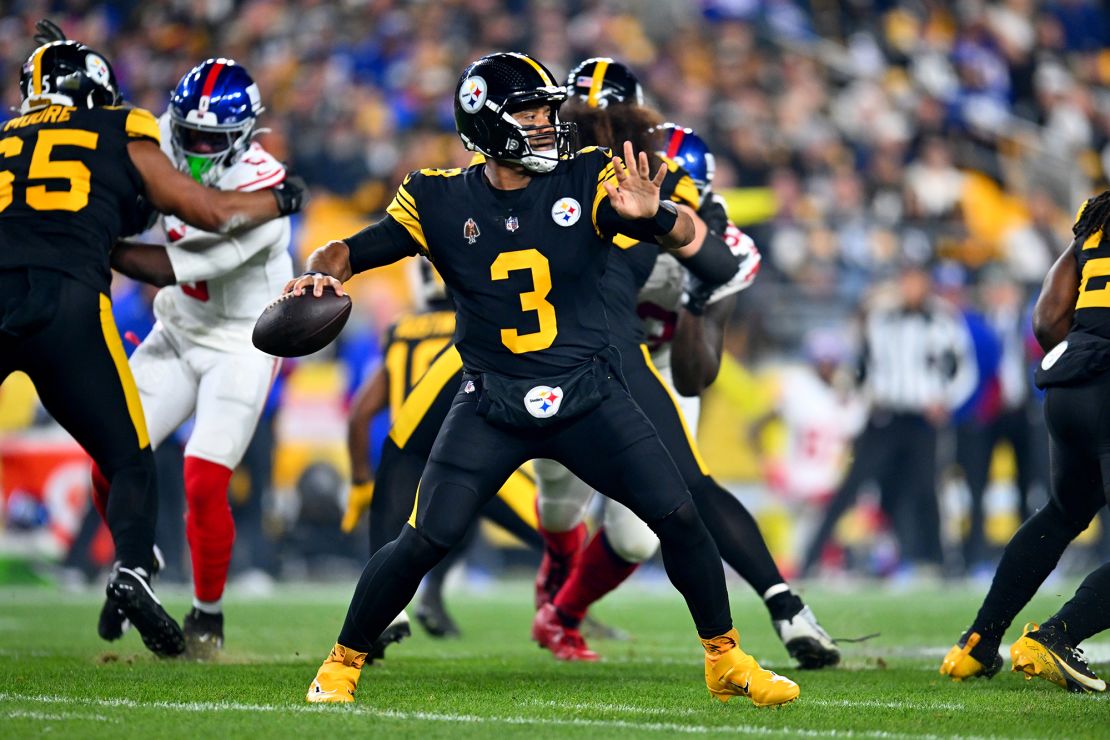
<point>851,138</point>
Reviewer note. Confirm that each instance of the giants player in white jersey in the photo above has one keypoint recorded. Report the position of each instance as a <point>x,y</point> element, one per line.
<point>821,416</point>
<point>199,358</point>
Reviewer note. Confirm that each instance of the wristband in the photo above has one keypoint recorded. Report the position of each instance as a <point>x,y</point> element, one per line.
<point>666,216</point>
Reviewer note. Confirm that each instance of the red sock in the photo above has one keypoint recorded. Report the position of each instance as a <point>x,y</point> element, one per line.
<point>208,526</point>
<point>561,552</point>
<point>100,488</point>
<point>596,573</point>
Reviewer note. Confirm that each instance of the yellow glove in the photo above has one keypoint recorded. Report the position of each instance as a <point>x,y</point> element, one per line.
<point>357,501</point>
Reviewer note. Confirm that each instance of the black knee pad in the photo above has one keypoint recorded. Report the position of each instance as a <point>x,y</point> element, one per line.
<point>417,549</point>
<point>681,525</point>
<point>1054,521</point>
<point>140,462</point>
<point>445,522</point>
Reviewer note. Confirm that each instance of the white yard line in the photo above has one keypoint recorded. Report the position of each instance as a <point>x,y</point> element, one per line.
<point>449,717</point>
<point>917,706</point>
<point>55,716</point>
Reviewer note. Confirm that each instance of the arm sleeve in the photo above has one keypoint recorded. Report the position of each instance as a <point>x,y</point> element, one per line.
<point>382,243</point>
<point>202,255</point>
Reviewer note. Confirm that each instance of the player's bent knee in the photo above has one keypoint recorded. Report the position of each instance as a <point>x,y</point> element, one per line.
<point>681,525</point>
<point>419,549</point>
<point>633,545</point>
<point>140,462</point>
<point>445,511</point>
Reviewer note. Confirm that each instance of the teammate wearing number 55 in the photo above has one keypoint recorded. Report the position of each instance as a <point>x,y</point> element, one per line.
<point>522,241</point>
<point>77,171</point>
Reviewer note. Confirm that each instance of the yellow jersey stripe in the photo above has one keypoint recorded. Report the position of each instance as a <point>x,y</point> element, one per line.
<point>36,74</point>
<point>682,420</point>
<point>119,358</point>
<point>408,200</point>
<point>601,194</point>
<point>535,65</point>
<point>685,191</point>
<point>142,123</point>
<point>405,216</point>
<point>424,394</point>
<point>595,82</point>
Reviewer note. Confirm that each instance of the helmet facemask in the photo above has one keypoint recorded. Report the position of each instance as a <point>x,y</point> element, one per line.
<point>207,151</point>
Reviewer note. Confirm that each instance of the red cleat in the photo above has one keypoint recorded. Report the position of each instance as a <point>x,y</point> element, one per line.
<point>565,643</point>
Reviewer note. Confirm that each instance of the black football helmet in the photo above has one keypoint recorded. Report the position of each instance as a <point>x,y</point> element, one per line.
<point>493,88</point>
<point>67,73</point>
<point>599,81</point>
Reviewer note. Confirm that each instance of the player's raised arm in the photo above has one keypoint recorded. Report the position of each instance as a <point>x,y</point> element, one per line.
<point>171,191</point>
<point>634,200</point>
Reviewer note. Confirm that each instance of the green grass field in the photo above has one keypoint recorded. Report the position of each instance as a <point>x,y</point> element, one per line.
<point>60,679</point>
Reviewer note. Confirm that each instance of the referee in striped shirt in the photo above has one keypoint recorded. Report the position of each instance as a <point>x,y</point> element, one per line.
<point>918,364</point>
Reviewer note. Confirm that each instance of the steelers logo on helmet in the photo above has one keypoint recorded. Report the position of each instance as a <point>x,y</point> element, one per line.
<point>97,69</point>
<point>566,211</point>
<point>543,401</point>
<point>473,93</point>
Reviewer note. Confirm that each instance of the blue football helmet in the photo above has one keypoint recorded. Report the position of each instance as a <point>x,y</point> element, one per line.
<point>213,111</point>
<point>689,150</point>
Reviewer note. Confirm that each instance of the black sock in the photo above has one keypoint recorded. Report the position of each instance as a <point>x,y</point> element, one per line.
<point>737,536</point>
<point>784,605</point>
<point>1088,612</point>
<point>694,567</point>
<point>132,511</point>
<point>1027,560</point>
<point>386,586</point>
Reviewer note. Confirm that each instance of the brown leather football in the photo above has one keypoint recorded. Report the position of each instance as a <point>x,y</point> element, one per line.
<point>295,326</point>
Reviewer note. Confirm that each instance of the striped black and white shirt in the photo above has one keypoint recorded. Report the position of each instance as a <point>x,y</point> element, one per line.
<point>918,358</point>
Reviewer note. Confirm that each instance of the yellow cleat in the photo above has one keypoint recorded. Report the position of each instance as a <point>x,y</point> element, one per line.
<point>959,664</point>
<point>337,678</point>
<point>1048,655</point>
<point>729,672</point>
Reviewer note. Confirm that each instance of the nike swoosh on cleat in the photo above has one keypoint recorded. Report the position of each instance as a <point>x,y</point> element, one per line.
<point>1073,676</point>
<point>141,580</point>
<point>320,691</point>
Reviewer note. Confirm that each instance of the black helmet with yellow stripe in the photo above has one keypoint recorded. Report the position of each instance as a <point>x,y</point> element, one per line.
<point>67,73</point>
<point>493,88</point>
<point>599,81</point>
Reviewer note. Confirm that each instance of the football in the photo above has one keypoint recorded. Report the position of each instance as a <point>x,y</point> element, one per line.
<point>295,326</point>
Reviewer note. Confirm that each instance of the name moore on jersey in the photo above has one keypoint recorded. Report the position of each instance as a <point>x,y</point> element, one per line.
<point>225,281</point>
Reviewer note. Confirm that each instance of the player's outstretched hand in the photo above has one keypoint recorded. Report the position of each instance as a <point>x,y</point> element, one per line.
<point>315,281</point>
<point>637,193</point>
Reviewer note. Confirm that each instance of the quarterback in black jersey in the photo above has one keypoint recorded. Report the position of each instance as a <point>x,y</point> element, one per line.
<point>1071,321</point>
<point>411,345</point>
<point>522,241</point>
<point>607,106</point>
<point>77,171</point>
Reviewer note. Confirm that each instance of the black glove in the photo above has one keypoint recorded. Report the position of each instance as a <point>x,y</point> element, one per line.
<point>47,32</point>
<point>291,195</point>
<point>697,294</point>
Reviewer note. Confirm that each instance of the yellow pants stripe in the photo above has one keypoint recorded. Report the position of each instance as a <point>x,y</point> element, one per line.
<point>415,503</point>
<point>119,357</point>
<point>519,492</point>
<point>423,395</point>
<point>678,410</point>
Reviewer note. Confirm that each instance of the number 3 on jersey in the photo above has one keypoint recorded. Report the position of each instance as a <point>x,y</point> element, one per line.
<point>532,300</point>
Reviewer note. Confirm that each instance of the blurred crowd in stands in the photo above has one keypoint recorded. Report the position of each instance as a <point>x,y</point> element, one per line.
<point>852,137</point>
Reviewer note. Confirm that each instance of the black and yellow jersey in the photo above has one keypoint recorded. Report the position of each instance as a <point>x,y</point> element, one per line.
<point>411,345</point>
<point>68,188</point>
<point>524,266</point>
<point>630,268</point>
<point>1092,306</point>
